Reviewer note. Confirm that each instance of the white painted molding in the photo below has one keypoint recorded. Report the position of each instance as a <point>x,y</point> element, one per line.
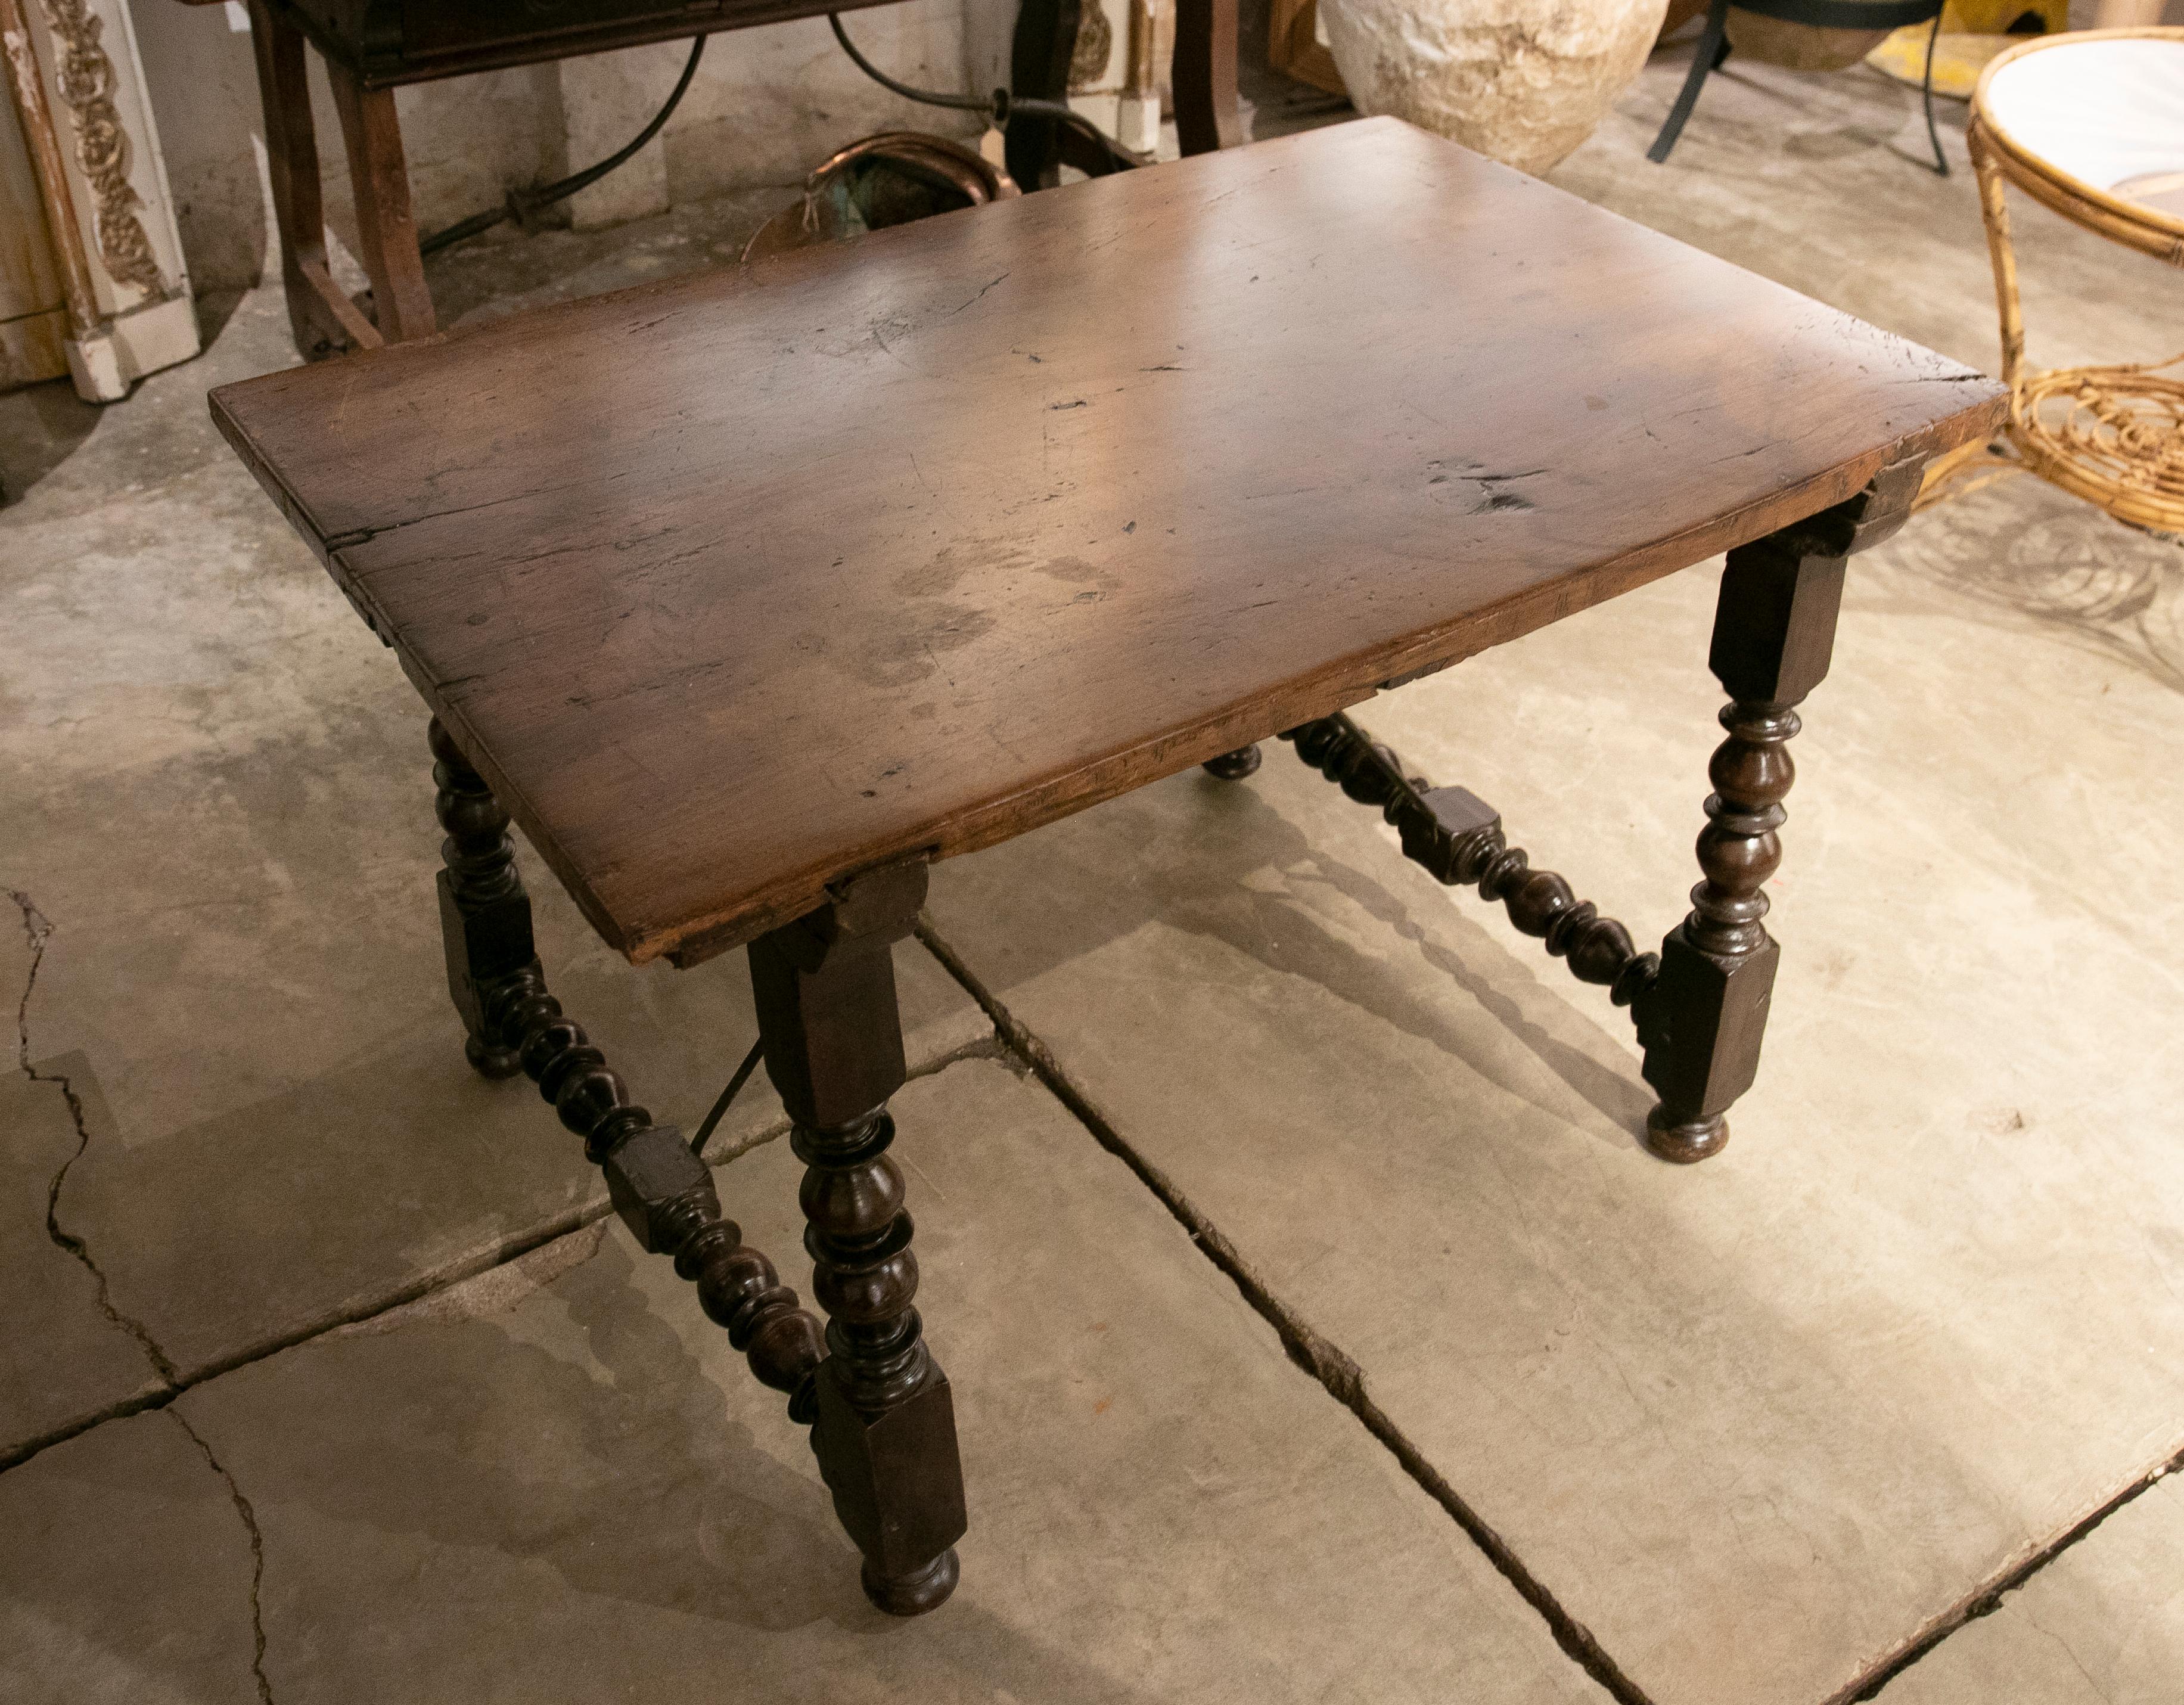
<point>79,94</point>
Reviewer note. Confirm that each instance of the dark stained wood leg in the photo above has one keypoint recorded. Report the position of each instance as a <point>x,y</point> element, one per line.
<point>1702,1030</point>
<point>386,234</point>
<point>1700,1003</point>
<point>1203,76</point>
<point>1234,766</point>
<point>885,1432</point>
<point>1701,1021</point>
<point>485,914</point>
<point>663,1192</point>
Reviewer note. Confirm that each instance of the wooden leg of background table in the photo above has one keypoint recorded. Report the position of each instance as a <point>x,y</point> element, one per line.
<point>885,1434</point>
<point>1202,75</point>
<point>386,234</point>
<point>292,160</point>
<point>1701,1021</point>
<point>485,916</point>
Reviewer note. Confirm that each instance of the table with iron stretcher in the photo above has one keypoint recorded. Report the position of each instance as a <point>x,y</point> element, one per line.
<point>749,595</point>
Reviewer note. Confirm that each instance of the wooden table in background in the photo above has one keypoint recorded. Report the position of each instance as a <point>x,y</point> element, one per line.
<point>371,48</point>
<point>749,594</point>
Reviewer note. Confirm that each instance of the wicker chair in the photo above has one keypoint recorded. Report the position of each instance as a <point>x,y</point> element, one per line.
<point>2091,125</point>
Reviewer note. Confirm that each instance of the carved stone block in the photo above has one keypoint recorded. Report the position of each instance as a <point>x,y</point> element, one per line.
<point>1523,81</point>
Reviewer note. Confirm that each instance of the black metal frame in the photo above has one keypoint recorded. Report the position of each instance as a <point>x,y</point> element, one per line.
<point>1825,14</point>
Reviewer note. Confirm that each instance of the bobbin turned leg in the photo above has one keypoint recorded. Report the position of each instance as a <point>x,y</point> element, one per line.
<point>885,1434</point>
<point>1234,766</point>
<point>1701,1021</point>
<point>485,916</point>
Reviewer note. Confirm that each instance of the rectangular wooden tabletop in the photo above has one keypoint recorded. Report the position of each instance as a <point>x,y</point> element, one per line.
<point>736,585</point>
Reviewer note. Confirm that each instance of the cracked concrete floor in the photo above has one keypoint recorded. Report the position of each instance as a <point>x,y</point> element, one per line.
<point>323,1375</point>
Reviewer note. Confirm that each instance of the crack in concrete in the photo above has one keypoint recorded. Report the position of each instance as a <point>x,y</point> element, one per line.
<point>1990,1597</point>
<point>1346,1382</point>
<point>38,928</point>
<point>2070,1652</point>
<point>249,1516</point>
<point>1325,1361</point>
<point>362,1311</point>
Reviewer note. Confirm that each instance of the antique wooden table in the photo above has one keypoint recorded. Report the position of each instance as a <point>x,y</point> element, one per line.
<point>370,47</point>
<point>749,594</point>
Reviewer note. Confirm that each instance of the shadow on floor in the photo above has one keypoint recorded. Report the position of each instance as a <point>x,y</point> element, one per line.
<point>1118,863</point>
<point>40,426</point>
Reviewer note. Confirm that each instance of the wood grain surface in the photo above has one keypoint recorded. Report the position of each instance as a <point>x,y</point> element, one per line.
<point>740,583</point>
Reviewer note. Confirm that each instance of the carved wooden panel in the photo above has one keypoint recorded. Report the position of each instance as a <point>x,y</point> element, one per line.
<point>108,227</point>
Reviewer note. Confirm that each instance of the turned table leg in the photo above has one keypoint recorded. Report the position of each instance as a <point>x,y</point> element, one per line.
<point>1701,1021</point>
<point>1234,766</point>
<point>885,1431</point>
<point>485,916</point>
<point>1700,1003</point>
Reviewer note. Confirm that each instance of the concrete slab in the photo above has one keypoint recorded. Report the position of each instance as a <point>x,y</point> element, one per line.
<point>62,1361</point>
<point>127,1576</point>
<point>562,1483</point>
<point>1754,1424</point>
<point>247,969</point>
<point>1825,180</point>
<point>506,273</point>
<point>2102,1625</point>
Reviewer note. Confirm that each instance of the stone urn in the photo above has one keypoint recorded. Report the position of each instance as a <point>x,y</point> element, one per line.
<point>1524,80</point>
